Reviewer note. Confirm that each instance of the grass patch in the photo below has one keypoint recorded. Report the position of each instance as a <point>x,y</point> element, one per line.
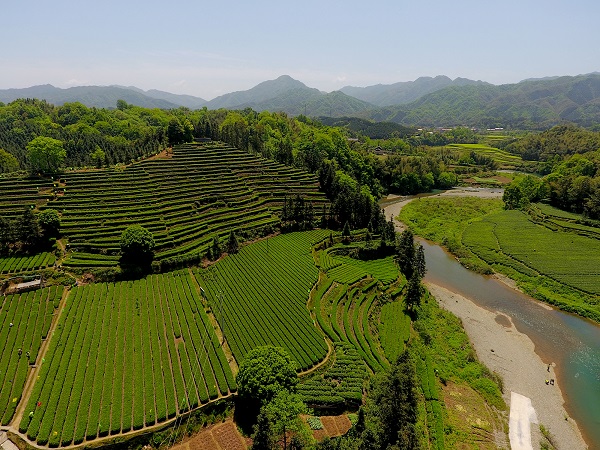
<point>548,263</point>
<point>452,356</point>
<point>447,367</point>
<point>443,220</point>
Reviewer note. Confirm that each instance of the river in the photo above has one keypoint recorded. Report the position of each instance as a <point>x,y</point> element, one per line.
<point>571,342</point>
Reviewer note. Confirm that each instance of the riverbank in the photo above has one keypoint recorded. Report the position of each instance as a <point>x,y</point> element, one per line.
<point>511,354</point>
<point>521,371</point>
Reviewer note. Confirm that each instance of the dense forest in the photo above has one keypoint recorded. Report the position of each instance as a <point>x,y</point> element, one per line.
<point>569,157</point>
<point>528,105</point>
<point>122,135</point>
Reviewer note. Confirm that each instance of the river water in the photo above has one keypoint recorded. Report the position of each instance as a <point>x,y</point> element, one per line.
<point>569,341</point>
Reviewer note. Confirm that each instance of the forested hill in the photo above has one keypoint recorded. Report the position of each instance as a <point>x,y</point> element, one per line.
<point>530,104</point>
<point>292,97</point>
<point>406,91</point>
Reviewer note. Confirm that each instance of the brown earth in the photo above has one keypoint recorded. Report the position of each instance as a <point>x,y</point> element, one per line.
<point>221,436</point>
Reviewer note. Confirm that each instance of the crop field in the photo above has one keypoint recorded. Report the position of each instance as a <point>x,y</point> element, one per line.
<point>341,384</point>
<point>343,313</point>
<point>21,193</point>
<point>394,329</point>
<point>125,356</point>
<point>21,264</point>
<point>505,159</point>
<point>344,269</point>
<point>259,296</point>
<point>129,355</point>
<point>563,256</point>
<point>200,191</point>
<point>555,218</point>
<point>24,323</point>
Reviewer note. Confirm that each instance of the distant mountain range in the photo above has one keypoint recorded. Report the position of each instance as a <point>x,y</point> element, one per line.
<point>98,96</point>
<point>406,91</point>
<point>528,104</point>
<point>427,101</point>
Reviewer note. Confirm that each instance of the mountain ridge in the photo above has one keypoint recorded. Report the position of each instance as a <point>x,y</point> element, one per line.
<point>434,101</point>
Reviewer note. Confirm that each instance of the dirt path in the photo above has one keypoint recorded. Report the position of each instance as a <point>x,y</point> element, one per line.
<point>14,424</point>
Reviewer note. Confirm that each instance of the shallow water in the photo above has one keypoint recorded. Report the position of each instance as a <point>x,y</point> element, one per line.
<point>569,341</point>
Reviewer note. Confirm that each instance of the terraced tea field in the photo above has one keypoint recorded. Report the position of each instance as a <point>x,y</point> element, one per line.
<point>24,264</point>
<point>513,240</point>
<point>200,191</point>
<point>503,158</point>
<point>130,355</point>
<point>24,323</point>
<point>21,193</point>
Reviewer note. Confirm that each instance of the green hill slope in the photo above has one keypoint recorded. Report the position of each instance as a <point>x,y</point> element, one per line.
<point>185,200</point>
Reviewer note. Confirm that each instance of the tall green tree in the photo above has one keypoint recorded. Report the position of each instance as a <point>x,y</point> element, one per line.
<point>28,230</point>
<point>7,234</point>
<point>284,413</point>
<point>233,246</point>
<point>264,372</point>
<point>394,405</point>
<point>45,154</point>
<point>8,163</point>
<point>263,437</point>
<point>49,221</point>
<point>414,291</point>
<point>216,249</point>
<point>405,253</point>
<point>137,245</point>
<point>98,157</point>
<point>346,233</point>
<point>176,131</point>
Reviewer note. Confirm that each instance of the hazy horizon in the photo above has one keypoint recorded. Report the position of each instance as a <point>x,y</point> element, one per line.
<point>209,50</point>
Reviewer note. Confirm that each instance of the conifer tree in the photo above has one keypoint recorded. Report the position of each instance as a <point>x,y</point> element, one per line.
<point>233,245</point>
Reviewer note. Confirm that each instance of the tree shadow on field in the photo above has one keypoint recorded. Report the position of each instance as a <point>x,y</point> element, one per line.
<point>245,415</point>
<point>134,269</point>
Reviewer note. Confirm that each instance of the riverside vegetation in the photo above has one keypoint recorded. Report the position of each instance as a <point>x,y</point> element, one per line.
<point>544,249</point>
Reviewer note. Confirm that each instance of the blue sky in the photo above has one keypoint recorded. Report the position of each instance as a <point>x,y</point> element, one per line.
<point>210,48</point>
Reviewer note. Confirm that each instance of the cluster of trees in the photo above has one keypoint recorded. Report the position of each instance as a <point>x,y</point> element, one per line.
<point>570,160</point>
<point>267,396</point>
<point>574,184</point>
<point>89,136</point>
<point>553,145</point>
<point>30,232</point>
<point>297,214</point>
<point>388,421</point>
<point>137,247</point>
<point>410,257</point>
